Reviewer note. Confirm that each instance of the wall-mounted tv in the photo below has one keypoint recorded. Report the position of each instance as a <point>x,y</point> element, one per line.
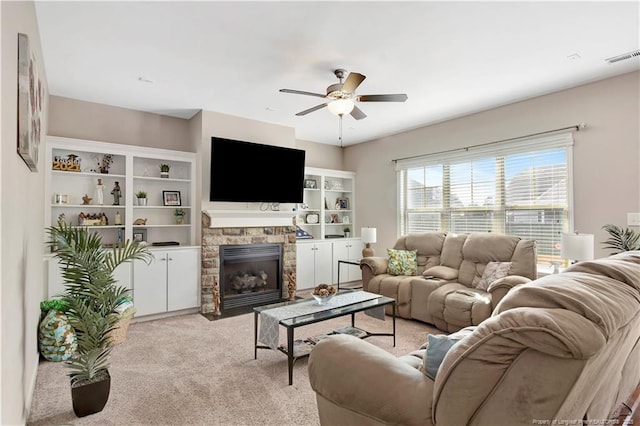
<point>251,172</point>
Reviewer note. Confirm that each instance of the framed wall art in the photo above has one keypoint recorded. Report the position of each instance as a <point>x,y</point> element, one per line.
<point>30,103</point>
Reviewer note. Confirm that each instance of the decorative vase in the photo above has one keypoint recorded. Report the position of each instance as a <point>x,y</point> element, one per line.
<point>56,337</point>
<point>179,220</point>
<point>347,234</point>
<point>142,201</point>
<point>90,398</point>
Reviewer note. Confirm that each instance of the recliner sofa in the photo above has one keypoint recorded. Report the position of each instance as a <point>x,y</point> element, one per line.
<point>452,299</point>
<point>565,347</point>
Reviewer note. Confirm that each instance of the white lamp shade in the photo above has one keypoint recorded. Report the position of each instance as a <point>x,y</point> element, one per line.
<point>368,235</point>
<point>341,106</point>
<point>577,246</point>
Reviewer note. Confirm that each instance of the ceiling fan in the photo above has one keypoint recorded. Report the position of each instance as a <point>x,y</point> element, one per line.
<point>341,97</point>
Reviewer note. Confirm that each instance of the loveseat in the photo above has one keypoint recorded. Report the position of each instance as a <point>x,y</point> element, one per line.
<point>565,347</point>
<point>459,293</point>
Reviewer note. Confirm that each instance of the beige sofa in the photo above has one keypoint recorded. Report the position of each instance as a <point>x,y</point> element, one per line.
<point>451,300</point>
<point>565,347</point>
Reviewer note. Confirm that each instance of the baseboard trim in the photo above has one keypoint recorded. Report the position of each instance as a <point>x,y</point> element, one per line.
<point>31,388</point>
<point>164,315</point>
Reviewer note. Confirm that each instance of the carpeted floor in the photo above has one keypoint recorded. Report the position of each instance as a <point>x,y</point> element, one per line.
<point>189,370</point>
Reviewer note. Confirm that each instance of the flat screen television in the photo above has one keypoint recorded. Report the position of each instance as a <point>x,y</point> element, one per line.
<point>252,172</point>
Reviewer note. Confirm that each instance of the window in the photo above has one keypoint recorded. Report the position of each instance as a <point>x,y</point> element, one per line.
<point>518,188</point>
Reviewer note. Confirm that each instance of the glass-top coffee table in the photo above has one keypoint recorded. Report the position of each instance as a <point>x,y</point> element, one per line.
<point>295,321</point>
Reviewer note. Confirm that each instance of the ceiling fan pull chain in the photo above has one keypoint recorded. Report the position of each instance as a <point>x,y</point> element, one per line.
<point>341,130</point>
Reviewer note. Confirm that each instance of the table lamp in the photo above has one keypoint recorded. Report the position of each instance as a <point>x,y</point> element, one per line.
<point>368,236</point>
<point>576,247</point>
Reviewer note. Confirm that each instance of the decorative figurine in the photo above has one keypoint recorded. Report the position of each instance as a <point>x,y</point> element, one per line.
<point>86,200</point>
<point>117,220</point>
<point>117,193</point>
<point>100,193</point>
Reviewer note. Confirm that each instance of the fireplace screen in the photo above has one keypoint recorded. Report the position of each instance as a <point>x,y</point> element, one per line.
<point>250,274</point>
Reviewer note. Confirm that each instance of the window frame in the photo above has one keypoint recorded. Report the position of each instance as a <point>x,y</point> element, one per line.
<point>498,151</point>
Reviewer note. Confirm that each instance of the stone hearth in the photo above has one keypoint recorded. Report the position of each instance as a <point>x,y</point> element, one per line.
<point>213,238</point>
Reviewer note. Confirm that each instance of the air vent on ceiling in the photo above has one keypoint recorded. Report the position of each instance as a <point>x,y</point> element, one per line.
<point>622,57</point>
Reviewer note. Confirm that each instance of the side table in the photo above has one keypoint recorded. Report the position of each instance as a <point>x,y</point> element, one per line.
<point>355,262</point>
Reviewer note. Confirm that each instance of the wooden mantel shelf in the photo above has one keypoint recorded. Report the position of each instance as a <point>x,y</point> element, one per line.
<point>249,218</point>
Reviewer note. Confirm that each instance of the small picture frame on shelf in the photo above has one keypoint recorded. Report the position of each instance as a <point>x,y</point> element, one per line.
<point>335,218</point>
<point>171,198</point>
<point>312,218</point>
<point>310,184</point>
<point>139,235</point>
<point>343,203</point>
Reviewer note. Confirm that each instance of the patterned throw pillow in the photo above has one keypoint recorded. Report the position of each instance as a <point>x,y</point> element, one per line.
<point>402,262</point>
<point>493,271</point>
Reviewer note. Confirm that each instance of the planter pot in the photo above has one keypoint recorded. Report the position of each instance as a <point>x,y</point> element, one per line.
<point>91,398</point>
<point>347,234</point>
<point>142,201</point>
<point>56,337</point>
<point>179,220</point>
<point>164,174</point>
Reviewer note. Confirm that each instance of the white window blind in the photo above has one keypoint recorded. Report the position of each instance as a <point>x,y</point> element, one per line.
<point>518,188</point>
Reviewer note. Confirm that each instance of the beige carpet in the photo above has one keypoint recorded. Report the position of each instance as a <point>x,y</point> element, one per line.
<point>189,370</point>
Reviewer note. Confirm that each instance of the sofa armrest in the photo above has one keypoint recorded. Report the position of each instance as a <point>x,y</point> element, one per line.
<point>500,287</point>
<point>359,377</point>
<point>372,266</point>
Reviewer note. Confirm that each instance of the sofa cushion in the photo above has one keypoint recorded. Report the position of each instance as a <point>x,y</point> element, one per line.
<point>492,272</point>
<point>442,272</point>
<point>454,306</point>
<point>402,262</point>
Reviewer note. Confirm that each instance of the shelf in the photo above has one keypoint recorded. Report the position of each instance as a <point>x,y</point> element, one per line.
<point>162,207</point>
<point>342,191</point>
<point>87,206</point>
<point>99,226</point>
<point>175,225</point>
<point>85,174</point>
<point>338,211</point>
<point>159,179</point>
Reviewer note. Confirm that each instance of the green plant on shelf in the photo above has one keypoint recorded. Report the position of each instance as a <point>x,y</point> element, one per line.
<point>164,168</point>
<point>178,212</point>
<point>141,194</point>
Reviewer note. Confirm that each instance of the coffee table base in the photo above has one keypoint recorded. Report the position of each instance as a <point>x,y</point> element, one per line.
<point>289,350</point>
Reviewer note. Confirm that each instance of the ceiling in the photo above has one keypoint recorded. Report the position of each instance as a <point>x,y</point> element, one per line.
<point>451,58</point>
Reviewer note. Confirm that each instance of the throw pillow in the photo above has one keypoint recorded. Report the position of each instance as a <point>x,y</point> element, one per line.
<point>402,262</point>
<point>437,348</point>
<point>493,271</point>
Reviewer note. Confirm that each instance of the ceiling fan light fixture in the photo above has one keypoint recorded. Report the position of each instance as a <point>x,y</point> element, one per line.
<point>341,106</point>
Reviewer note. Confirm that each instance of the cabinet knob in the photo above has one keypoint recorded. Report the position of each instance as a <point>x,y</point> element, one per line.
<point>171,258</point>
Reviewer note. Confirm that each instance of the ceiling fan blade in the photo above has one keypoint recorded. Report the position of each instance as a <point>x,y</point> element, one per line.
<point>357,113</point>
<point>315,108</point>
<point>352,82</point>
<point>300,92</point>
<point>383,98</point>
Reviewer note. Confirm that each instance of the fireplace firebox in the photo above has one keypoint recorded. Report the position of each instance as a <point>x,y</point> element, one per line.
<point>250,275</point>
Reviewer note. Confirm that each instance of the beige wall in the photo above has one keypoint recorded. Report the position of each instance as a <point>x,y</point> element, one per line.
<point>21,228</point>
<point>606,154</point>
<point>322,155</point>
<point>72,118</point>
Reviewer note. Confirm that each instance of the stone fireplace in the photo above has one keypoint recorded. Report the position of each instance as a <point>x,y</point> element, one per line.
<point>245,266</point>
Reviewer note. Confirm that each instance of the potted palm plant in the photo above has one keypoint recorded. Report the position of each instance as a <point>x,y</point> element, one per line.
<point>621,239</point>
<point>92,297</point>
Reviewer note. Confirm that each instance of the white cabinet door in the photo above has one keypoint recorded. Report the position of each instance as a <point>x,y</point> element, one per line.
<point>182,279</point>
<point>150,285</point>
<point>305,265</point>
<point>324,263</point>
<point>313,264</point>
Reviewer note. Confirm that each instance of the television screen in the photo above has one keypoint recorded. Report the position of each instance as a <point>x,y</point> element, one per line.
<point>252,172</point>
